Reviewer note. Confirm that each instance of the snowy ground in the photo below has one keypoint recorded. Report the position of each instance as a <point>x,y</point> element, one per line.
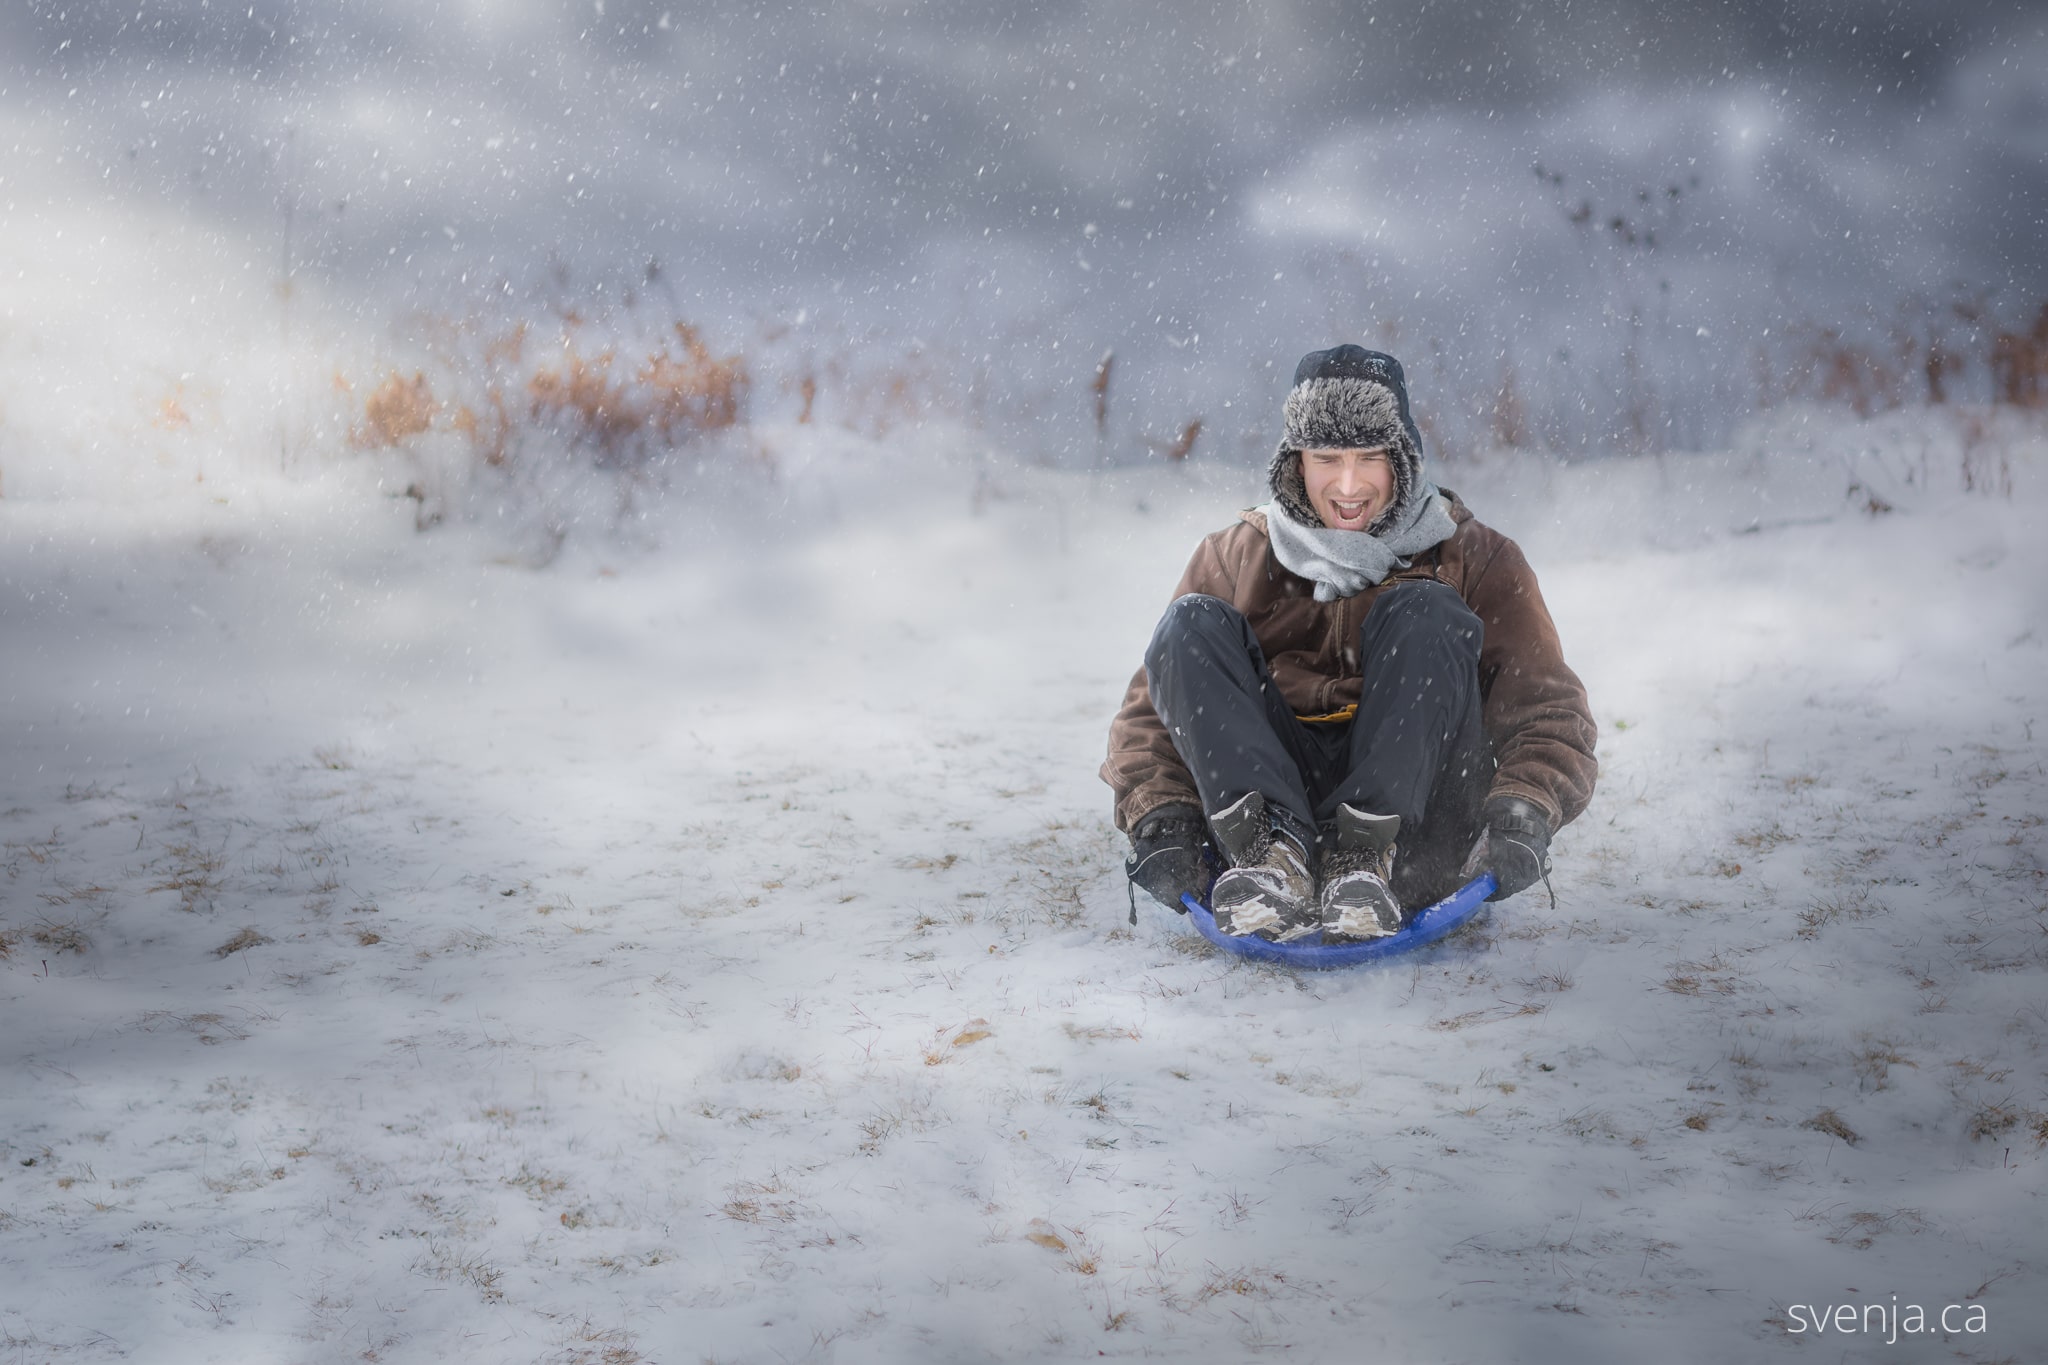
<point>716,949</point>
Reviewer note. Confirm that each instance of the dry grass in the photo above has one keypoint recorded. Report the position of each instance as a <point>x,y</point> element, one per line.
<point>913,1114</point>
<point>244,1179</point>
<point>1083,1257</point>
<point>1100,1102</point>
<point>1061,863</point>
<point>334,758</point>
<point>37,851</point>
<point>1587,1124</point>
<point>210,1027</point>
<point>1992,1120</point>
<point>194,873</point>
<point>1829,1122</point>
<point>877,1129</point>
<point>59,938</point>
<point>1862,1228</point>
<point>1250,1282</point>
<point>538,1185</point>
<point>1841,908</point>
<point>442,1264</point>
<point>589,1344</point>
<point>1093,1032</point>
<point>1319,1083</point>
<point>1765,839</point>
<point>243,940</point>
<point>1712,975</point>
<point>935,1052</point>
<point>2000,1118</point>
<point>1507,1009</point>
<point>762,1201</point>
<point>1874,1064</point>
<point>1550,983</point>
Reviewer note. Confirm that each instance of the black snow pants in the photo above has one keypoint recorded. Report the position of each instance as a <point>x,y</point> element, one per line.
<point>1416,747</point>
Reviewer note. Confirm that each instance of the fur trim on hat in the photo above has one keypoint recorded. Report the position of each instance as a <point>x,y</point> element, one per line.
<point>1342,414</point>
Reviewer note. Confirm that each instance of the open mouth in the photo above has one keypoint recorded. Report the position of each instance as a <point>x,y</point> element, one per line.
<point>1349,511</point>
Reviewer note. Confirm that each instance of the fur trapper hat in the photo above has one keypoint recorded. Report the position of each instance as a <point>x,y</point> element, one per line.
<point>1347,398</point>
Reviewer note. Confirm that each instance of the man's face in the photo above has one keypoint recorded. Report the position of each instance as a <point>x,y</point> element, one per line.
<point>1348,488</point>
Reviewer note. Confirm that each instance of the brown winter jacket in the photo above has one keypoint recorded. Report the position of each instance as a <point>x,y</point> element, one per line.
<point>1534,706</point>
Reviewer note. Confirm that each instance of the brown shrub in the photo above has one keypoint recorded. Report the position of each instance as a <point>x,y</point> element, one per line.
<point>618,405</point>
<point>580,394</point>
<point>696,391</point>
<point>2019,364</point>
<point>1837,370</point>
<point>1507,419</point>
<point>397,408</point>
<point>1099,386</point>
<point>1925,360</point>
<point>1177,449</point>
<point>672,394</point>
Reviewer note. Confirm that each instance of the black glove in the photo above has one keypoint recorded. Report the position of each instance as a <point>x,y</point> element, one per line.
<point>1514,846</point>
<point>1170,857</point>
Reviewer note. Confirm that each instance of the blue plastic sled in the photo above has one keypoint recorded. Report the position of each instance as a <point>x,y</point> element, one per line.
<point>1427,925</point>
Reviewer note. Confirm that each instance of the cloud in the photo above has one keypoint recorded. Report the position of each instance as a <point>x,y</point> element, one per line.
<point>1134,174</point>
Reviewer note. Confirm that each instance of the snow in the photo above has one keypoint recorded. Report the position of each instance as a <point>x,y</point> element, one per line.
<point>714,947</point>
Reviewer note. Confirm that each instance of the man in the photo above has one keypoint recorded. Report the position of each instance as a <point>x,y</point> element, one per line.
<point>1357,693</point>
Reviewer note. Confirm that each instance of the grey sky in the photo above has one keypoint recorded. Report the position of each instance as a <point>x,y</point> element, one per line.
<point>1134,174</point>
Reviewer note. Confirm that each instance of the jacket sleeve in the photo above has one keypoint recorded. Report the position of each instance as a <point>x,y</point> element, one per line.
<point>1143,768</point>
<point>1536,711</point>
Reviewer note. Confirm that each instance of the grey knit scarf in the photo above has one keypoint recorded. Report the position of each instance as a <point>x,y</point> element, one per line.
<point>1342,563</point>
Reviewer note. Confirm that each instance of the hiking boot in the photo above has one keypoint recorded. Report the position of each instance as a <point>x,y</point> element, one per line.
<point>1357,900</point>
<point>1267,889</point>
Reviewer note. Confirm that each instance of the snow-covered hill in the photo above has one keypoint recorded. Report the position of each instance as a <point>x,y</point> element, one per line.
<point>715,948</point>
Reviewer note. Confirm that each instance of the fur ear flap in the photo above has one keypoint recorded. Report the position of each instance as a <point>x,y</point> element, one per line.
<point>1290,489</point>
